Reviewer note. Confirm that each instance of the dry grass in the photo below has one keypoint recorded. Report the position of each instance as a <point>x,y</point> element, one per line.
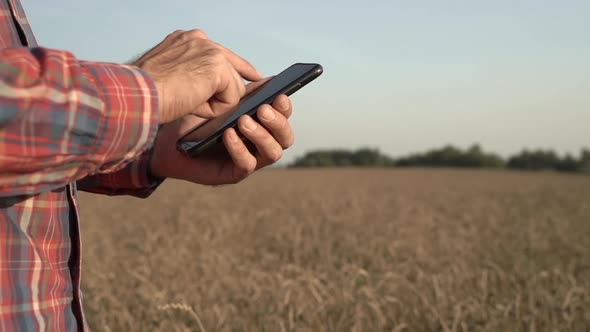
<point>343,250</point>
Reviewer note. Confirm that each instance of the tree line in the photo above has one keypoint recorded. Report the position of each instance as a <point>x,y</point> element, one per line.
<point>448,156</point>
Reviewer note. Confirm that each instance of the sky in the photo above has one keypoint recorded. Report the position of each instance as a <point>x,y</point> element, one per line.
<point>400,76</point>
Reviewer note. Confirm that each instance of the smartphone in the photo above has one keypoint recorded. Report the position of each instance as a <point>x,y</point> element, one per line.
<point>208,134</point>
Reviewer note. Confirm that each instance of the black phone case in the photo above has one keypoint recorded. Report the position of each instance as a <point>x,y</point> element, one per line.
<point>216,137</point>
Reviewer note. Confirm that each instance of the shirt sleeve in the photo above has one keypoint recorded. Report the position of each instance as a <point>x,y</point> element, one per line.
<point>134,180</point>
<point>62,119</point>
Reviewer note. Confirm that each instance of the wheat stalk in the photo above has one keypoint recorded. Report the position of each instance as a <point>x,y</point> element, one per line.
<point>183,307</point>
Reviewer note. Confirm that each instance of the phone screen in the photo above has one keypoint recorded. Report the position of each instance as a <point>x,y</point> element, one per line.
<point>285,82</point>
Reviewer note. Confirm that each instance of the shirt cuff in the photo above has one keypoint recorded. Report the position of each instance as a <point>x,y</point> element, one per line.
<point>129,124</point>
<point>134,180</point>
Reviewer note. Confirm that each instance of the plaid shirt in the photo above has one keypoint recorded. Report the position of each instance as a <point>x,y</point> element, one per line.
<point>62,121</point>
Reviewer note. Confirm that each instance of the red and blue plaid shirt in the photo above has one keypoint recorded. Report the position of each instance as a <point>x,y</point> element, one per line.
<point>63,123</point>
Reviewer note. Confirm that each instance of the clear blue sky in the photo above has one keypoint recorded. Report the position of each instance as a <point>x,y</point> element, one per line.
<point>402,76</point>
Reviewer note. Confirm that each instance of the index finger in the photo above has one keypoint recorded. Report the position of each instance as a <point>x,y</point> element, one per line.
<point>251,87</point>
<point>243,67</point>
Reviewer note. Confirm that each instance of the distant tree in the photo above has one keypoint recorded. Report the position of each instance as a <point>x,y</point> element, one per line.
<point>364,157</point>
<point>584,161</point>
<point>535,160</point>
<point>549,160</point>
<point>370,157</point>
<point>568,164</point>
<point>447,156</point>
<point>450,156</point>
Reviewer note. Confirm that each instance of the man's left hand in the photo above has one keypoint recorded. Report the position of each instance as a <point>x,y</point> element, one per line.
<point>236,162</point>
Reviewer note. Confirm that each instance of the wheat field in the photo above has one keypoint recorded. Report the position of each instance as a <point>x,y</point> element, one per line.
<point>343,250</point>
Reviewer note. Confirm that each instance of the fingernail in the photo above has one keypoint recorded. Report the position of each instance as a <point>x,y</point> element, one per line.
<point>233,137</point>
<point>284,103</point>
<point>249,123</point>
<point>268,114</point>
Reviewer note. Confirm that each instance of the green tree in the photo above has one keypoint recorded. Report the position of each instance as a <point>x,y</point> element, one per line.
<point>450,156</point>
<point>447,156</point>
<point>535,160</point>
<point>584,161</point>
<point>364,157</point>
<point>568,164</point>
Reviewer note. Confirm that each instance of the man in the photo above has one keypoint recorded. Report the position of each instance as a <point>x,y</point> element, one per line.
<point>104,128</point>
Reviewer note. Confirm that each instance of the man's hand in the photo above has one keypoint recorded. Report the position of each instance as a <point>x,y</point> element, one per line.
<point>194,75</point>
<point>236,161</point>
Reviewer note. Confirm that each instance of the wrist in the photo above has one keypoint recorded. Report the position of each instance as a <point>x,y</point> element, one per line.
<point>154,168</point>
<point>159,87</point>
<point>161,97</point>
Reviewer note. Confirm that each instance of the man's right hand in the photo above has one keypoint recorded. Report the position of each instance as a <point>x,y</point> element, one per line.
<point>194,75</point>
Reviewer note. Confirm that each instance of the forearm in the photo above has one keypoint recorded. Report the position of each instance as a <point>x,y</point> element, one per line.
<point>62,119</point>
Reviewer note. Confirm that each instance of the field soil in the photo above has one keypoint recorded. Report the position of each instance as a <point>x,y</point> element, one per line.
<point>343,250</point>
